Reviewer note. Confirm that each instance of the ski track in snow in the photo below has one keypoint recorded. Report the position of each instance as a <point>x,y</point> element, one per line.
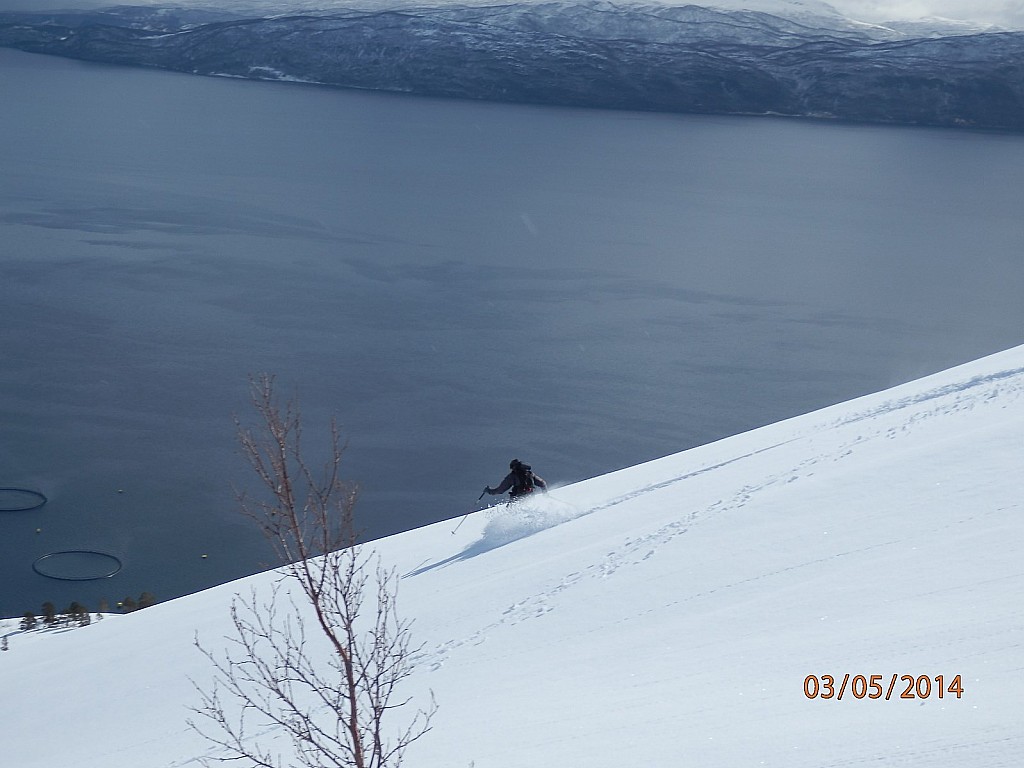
<point>1000,388</point>
<point>943,753</point>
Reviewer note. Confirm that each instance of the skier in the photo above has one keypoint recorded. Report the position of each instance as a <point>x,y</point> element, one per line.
<point>519,482</point>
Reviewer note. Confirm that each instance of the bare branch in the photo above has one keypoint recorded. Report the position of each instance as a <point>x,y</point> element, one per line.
<point>330,693</point>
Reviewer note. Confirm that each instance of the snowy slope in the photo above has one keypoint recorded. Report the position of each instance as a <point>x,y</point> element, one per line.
<point>664,615</point>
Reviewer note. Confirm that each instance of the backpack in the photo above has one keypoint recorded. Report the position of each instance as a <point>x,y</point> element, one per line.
<point>523,480</point>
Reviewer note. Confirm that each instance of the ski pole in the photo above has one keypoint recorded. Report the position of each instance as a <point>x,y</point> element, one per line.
<point>468,513</point>
<point>561,500</point>
<point>456,528</point>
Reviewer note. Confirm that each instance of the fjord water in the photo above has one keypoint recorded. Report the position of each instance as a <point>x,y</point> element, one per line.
<point>460,283</point>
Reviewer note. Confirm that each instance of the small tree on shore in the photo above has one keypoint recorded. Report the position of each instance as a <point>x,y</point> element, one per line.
<point>322,655</point>
<point>76,613</point>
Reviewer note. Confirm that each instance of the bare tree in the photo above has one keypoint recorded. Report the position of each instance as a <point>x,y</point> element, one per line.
<point>304,660</point>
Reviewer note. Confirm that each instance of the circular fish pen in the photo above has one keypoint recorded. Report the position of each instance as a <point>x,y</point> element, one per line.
<point>20,499</point>
<point>77,565</point>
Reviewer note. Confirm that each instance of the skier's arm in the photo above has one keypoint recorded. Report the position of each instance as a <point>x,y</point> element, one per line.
<point>539,482</point>
<point>505,485</point>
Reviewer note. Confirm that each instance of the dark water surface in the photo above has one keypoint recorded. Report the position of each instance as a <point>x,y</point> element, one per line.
<point>460,283</point>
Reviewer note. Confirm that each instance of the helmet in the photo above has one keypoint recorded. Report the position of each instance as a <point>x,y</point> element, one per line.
<point>514,463</point>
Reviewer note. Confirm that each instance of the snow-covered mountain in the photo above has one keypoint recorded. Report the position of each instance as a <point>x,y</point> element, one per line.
<point>804,59</point>
<point>681,612</point>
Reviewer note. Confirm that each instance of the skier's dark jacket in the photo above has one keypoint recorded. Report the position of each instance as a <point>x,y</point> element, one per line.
<point>519,482</point>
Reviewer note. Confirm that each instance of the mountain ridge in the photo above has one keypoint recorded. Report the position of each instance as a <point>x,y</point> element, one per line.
<point>594,54</point>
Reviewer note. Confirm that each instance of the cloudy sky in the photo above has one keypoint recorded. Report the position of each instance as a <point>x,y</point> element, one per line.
<point>1005,12</point>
